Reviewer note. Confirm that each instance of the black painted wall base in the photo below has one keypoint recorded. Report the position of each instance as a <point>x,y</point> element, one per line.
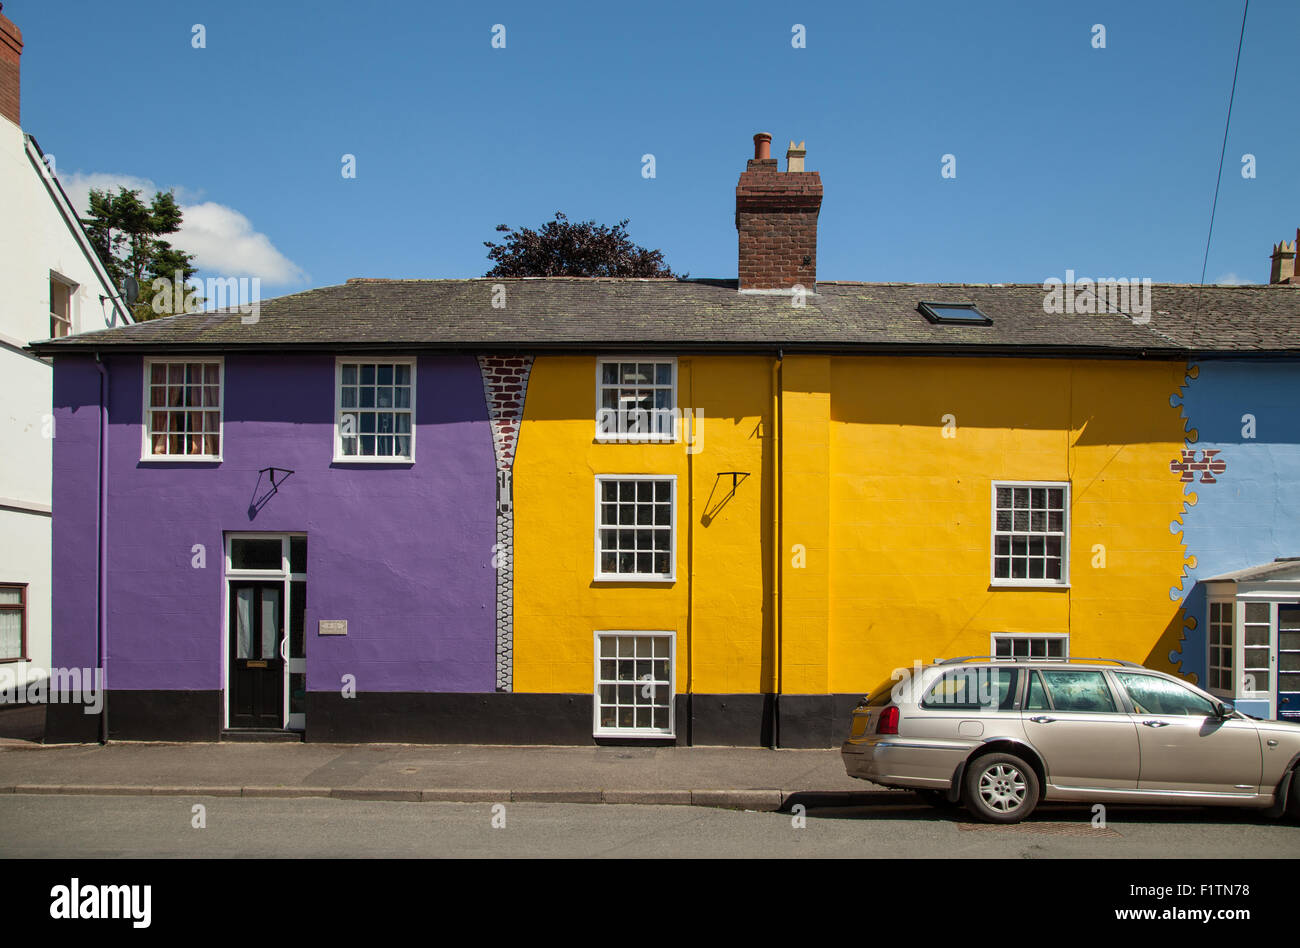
<point>140,716</point>
<point>22,722</point>
<point>426,718</point>
<point>702,719</point>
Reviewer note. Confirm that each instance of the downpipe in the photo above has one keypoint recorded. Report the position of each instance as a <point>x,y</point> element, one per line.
<point>101,592</point>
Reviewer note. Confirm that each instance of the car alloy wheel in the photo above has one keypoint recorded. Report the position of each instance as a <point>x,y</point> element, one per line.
<point>1001,788</point>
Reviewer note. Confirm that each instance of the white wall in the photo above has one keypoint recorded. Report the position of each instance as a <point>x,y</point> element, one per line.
<point>35,239</point>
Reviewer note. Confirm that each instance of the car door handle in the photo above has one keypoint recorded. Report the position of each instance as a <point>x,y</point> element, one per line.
<point>1155,723</point>
<point>1042,719</point>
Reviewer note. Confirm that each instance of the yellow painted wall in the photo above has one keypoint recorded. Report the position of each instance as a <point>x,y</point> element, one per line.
<point>885,535</point>
<point>558,605</point>
<point>912,510</point>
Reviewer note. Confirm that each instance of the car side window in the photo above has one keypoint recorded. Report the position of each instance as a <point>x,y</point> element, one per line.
<point>1078,690</point>
<point>973,689</point>
<point>1153,695</point>
<point>1036,700</point>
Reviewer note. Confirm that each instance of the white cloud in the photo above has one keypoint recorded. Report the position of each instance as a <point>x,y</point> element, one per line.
<point>222,240</point>
<point>1231,279</point>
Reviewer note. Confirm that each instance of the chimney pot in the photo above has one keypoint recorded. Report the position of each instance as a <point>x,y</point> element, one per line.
<point>762,146</point>
<point>1284,255</point>
<point>794,156</point>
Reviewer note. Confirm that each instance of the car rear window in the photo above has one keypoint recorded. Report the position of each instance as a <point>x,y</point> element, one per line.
<point>881,694</point>
<point>973,689</point>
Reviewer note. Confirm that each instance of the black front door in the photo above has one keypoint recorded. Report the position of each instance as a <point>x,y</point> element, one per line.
<point>256,663</point>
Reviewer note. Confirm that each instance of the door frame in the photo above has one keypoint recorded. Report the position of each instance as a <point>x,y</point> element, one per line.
<point>1275,649</point>
<point>286,578</point>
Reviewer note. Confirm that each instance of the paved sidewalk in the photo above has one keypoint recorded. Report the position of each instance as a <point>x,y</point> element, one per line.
<point>752,778</point>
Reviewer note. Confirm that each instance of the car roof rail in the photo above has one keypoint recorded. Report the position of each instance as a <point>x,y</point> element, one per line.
<point>1022,658</point>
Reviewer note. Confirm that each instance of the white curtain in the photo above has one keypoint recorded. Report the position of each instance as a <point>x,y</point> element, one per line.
<point>243,621</point>
<point>270,623</point>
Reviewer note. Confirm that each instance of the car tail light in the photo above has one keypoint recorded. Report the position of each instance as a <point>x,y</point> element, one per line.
<point>888,723</point>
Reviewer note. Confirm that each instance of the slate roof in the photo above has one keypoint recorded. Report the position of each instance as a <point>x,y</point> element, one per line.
<point>574,314</point>
<point>1281,568</point>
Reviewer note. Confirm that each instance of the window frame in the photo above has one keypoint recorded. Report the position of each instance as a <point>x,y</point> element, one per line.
<point>1239,651</point>
<point>927,308</point>
<point>646,733</point>
<point>70,286</point>
<point>21,609</point>
<point>602,577</point>
<point>339,456</point>
<point>1211,626</point>
<point>1012,636</point>
<point>146,427</point>
<point>1067,511</point>
<point>603,437</point>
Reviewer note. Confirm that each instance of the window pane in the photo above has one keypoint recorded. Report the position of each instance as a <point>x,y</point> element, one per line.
<point>297,618</point>
<point>1036,700</point>
<point>1078,691</point>
<point>1152,695</point>
<point>255,554</point>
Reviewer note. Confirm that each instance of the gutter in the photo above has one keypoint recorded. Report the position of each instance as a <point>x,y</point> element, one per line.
<point>69,214</point>
<point>101,592</point>
<point>674,346</point>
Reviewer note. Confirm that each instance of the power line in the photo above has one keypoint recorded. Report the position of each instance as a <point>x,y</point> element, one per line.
<point>1224,150</point>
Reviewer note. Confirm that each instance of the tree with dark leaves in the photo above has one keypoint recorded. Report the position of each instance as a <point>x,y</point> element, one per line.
<point>129,237</point>
<point>562,248</point>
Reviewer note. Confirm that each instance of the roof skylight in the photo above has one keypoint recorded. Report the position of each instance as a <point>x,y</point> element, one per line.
<point>959,314</point>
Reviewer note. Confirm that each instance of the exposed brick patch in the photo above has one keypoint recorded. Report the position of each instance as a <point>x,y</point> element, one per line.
<point>505,384</point>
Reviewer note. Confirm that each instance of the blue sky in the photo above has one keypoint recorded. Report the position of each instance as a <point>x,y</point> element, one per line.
<point>1102,161</point>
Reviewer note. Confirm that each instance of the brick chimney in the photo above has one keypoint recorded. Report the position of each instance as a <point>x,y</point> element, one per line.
<point>11,48</point>
<point>776,217</point>
<point>1284,261</point>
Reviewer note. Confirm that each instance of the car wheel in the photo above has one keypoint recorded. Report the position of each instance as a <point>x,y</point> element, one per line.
<point>1293,799</point>
<point>1001,788</point>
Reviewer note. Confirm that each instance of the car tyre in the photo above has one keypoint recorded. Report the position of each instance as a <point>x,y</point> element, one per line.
<point>1000,788</point>
<point>1293,798</point>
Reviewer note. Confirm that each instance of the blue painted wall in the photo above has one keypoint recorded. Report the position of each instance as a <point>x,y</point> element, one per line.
<point>1251,514</point>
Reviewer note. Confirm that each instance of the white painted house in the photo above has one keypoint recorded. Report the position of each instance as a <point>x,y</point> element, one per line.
<point>51,284</point>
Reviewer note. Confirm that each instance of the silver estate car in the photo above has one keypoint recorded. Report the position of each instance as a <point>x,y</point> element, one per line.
<point>1002,735</point>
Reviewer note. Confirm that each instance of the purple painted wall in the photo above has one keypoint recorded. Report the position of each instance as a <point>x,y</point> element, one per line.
<point>403,552</point>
